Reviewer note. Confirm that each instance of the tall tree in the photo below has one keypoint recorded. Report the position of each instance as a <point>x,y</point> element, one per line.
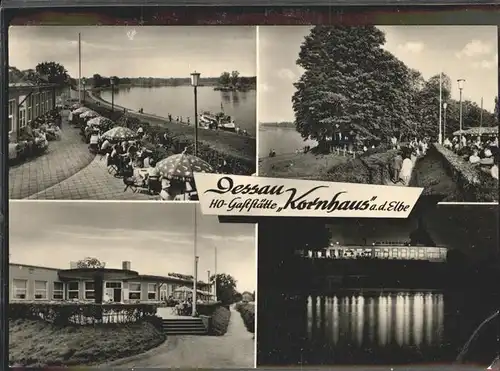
<point>225,78</point>
<point>226,288</point>
<point>235,75</point>
<point>350,82</point>
<point>55,73</point>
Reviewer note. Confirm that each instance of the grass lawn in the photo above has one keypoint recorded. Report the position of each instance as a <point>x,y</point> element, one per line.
<point>300,165</point>
<point>36,343</point>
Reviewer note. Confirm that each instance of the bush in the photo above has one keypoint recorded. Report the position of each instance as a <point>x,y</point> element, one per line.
<point>65,313</point>
<point>247,312</point>
<point>220,321</point>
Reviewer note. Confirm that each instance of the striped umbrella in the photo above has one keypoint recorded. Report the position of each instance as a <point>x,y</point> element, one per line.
<point>183,166</point>
<point>119,133</point>
<point>89,114</point>
<point>81,110</point>
<point>99,121</point>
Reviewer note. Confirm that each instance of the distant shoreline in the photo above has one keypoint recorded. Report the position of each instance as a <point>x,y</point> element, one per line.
<point>285,125</point>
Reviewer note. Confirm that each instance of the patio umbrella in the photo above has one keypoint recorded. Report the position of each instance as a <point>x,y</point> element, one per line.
<point>89,114</point>
<point>100,121</point>
<point>183,166</point>
<point>119,133</point>
<point>81,110</point>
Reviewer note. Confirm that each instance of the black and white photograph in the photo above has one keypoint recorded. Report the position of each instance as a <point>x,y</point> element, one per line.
<point>129,285</point>
<point>421,291</point>
<point>388,105</point>
<point>124,113</point>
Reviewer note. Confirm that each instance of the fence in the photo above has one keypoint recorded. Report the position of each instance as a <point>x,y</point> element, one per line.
<point>81,313</point>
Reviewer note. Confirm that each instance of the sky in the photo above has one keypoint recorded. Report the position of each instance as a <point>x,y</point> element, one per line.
<point>170,51</point>
<point>461,52</point>
<point>156,238</point>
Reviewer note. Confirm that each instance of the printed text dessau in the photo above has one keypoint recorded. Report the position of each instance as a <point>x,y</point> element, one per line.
<point>293,199</point>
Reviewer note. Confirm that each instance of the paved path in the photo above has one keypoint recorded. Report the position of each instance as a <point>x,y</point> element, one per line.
<point>63,158</point>
<point>233,350</point>
<point>92,183</point>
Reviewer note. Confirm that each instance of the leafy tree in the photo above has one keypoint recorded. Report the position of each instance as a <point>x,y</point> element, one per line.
<point>350,83</point>
<point>226,288</point>
<point>90,262</point>
<point>97,80</point>
<point>235,75</point>
<point>225,78</point>
<point>55,73</point>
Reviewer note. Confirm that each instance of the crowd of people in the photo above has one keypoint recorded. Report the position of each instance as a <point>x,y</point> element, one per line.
<point>33,139</point>
<point>135,157</point>
<point>481,151</point>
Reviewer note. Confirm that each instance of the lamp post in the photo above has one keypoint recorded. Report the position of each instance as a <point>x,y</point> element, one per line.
<point>445,106</point>
<point>195,77</point>
<point>461,88</point>
<point>195,281</point>
<point>112,82</point>
<point>84,81</point>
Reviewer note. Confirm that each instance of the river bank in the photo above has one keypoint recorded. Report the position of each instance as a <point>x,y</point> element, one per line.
<point>227,143</point>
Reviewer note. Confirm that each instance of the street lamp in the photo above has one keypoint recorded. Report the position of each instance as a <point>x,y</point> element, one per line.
<point>461,88</point>
<point>195,77</point>
<point>445,105</point>
<point>195,281</point>
<point>112,82</point>
<point>84,81</point>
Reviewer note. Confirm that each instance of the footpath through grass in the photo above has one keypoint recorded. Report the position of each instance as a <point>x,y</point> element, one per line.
<point>36,343</point>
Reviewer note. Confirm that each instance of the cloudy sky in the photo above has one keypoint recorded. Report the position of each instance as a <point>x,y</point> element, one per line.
<point>155,238</point>
<point>462,52</point>
<point>173,51</point>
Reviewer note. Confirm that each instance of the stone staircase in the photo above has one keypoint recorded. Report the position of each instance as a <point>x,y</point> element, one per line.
<point>184,326</point>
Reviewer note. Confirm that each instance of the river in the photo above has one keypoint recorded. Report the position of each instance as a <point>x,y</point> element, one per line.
<point>376,328</point>
<point>179,101</point>
<point>282,140</point>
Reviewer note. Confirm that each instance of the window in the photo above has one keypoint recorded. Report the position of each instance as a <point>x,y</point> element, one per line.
<point>152,291</point>
<point>134,291</point>
<point>73,290</point>
<point>12,107</point>
<point>89,290</point>
<point>19,289</point>
<point>41,290</point>
<point>36,98</point>
<point>58,291</point>
<point>29,110</point>
<point>22,116</point>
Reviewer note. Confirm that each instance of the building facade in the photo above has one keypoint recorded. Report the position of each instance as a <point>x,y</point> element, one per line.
<point>36,283</point>
<point>28,101</point>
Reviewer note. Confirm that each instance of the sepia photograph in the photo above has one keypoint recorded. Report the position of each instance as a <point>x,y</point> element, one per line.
<point>92,285</point>
<point>416,292</point>
<point>123,113</point>
<point>388,105</point>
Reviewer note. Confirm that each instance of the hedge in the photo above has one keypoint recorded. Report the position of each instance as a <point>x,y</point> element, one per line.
<point>476,185</point>
<point>247,312</point>
<point>65,313</point>
<point>220,321</point>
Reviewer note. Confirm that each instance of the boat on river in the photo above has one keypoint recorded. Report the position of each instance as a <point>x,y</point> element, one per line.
<point>218,120</point>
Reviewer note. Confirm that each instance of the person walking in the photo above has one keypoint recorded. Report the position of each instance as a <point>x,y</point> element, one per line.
<point>397,164</point>
<point>406,169</point>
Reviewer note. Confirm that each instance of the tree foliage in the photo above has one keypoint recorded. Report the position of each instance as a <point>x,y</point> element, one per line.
<point>226,288</point>
<point>90,262</point>
<point>352,84</point>
<point>55,73</point>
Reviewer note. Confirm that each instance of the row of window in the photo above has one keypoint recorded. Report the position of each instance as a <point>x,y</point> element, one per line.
<point>34,105</point>
<point>41,292</point>
<point>383,253</point>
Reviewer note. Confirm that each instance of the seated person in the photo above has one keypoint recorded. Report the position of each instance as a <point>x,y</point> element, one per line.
<point>494,168</point>
<point>105,146</point>
<point>474,157</point>
<point>94,140</point>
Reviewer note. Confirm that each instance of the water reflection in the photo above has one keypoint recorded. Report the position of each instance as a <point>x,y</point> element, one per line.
<point>403,319</point>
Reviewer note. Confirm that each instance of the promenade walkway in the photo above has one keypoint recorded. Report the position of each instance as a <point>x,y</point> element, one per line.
<point>233,350</point>
<point>63,159</point>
